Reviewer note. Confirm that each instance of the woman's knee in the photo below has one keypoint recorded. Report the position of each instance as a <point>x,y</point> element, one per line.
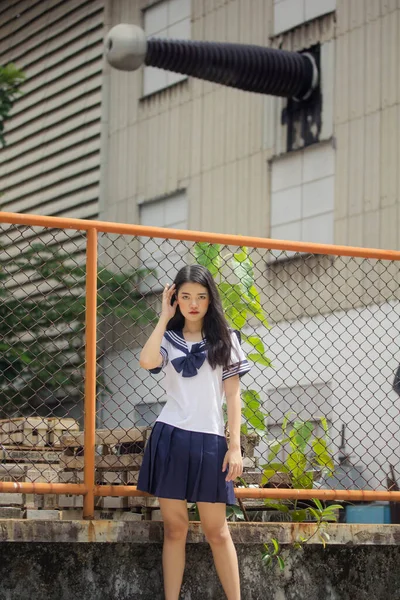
<point>217,535</point>
<point>176,529</point>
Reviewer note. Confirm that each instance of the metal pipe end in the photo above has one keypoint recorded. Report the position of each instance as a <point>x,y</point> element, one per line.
<point>125,47</point>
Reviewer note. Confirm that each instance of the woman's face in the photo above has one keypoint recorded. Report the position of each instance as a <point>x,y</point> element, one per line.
<point>193,301</point>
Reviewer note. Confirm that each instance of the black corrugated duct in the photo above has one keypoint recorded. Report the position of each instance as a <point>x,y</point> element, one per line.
<point>246,67</point>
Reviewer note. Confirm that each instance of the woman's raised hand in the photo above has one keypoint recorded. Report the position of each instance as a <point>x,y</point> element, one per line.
<point>168,310</point>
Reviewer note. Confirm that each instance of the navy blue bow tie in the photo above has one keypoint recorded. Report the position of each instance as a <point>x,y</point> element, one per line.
<point>188,365</point>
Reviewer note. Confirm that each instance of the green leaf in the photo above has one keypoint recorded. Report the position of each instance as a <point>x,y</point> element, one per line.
<point>254,341</point>
<point>299,516</point>
<point>281,507</point>
<point>318,504</point>
<point>281,563</point>
<point>243,268</point>
<point>275,545</point>
<point>296,463</point>
<point>208,255</point>
<point>260,359</point>
<point>300,435</point>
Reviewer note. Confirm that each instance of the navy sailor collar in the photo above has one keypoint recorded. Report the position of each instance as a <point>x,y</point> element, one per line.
<point>177,339</point>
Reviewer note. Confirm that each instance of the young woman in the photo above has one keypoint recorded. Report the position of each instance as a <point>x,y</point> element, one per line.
<point>187,458</point>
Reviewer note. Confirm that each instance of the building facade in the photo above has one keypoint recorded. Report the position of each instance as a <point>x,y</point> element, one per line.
<point>162,149</point>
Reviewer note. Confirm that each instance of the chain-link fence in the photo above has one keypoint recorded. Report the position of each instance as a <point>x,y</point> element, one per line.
<point>320,331</point>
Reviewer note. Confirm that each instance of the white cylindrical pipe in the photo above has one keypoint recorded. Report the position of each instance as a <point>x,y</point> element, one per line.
<point>126,47</point>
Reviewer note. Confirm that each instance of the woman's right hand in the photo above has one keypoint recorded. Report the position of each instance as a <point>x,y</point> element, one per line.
<point>168,310</point>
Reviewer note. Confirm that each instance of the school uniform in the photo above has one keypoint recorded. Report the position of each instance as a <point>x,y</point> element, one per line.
<point>184,455</point>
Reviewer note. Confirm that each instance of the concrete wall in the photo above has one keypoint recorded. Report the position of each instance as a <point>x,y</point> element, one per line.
<point>360,563</point>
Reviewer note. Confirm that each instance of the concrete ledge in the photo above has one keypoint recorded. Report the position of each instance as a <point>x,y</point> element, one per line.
<point>151,532</point>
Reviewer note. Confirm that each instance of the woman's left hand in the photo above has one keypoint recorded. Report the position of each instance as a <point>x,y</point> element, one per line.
<point>233,459</point>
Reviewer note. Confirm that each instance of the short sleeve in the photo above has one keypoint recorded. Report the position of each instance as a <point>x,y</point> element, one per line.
<point>164,354</point>
<point>239,363</point>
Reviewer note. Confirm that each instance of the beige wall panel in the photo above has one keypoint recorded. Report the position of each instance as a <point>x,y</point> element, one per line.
<point>258,204</point>
<point>389,227</point>
<point>27,11</point>
<point>357,72</point>
<point>38,169</point>
<point>208,132</point>
<point>230,199</point>
<point>123,109</point>
<point>356,166</point>
<point>220,23</point>
<point>372,161</point>
<point>51,179</point>
<point>342,79</point>
<point>388,6</point>
<point>256,123</point>
<point>390,59</point>
<point>355,237</point>
<point>221,98</point>
<point>243,125</point>
<point>70,188</point>
<point>90,27</point>
<point>341,231</point>
<point>47,103</point>
<point>41,25</point>
<point>63,205</point>
<point>197,135</point>
<point>342,135</point>
<point>232,118</point>
<point>22,160</point>
<point>49,120</point>
<point>61,69</point>
<point>89,78</point>
<point>173,154</point>
<point>185,140</point>
<point>243,196</point>
<point>319,30</point>
<point>141,159</point>
<point>123,165</point>
<point>195,195</point>
<point>36,140</point>
<point>232,21</point>
<point>372,10</point>
<point>132,160</point>
<point>389,156</point>
<point>373,68</point>
<point>371,229</point>
<point>57,60</point>
<point>197,9</point>
<point>357,13</point>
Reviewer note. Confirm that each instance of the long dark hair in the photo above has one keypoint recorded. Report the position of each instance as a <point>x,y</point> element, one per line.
<point>215,327</point>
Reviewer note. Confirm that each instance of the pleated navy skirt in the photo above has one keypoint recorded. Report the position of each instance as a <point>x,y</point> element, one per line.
<point>185,465</point>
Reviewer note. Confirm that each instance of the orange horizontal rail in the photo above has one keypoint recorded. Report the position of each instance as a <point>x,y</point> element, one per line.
<point>275,493</point>
<point>27,487</point>
<point>197,236</point>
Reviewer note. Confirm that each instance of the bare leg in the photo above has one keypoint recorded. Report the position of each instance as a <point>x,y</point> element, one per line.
<point>215,528</point>
<point>176,523</point>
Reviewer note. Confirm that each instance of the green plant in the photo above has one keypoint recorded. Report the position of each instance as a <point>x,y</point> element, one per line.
<point>307,453</point>
<point>241,302</point>
<point>321,516</point>
<point>11,80</point>
<point>230,512</point>
<point>42,349</point>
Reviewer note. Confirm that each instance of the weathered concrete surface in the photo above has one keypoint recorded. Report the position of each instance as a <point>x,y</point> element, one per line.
<point>151,532</point>
<point>69,560</point>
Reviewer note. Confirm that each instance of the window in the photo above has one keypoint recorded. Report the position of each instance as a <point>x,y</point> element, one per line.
<point>165,256</point>
<point>302,195</point>
<point>291,13</point>
<point>146,414</point>
<point>169,19</point>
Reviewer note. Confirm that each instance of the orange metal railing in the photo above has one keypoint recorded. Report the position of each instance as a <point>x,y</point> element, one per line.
<point>92,228</point>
